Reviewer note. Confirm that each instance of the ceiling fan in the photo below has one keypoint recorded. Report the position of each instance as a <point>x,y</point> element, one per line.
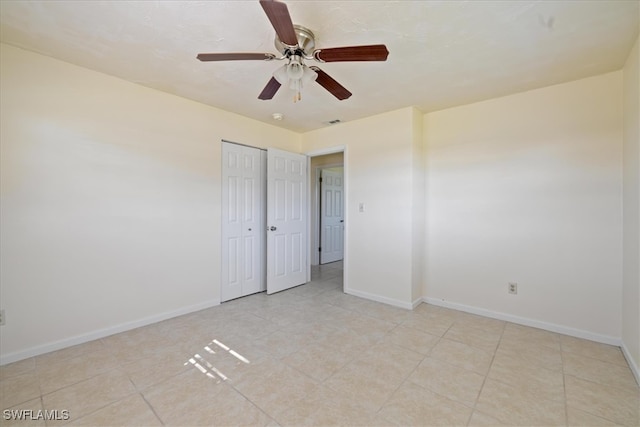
<point>297,44</point>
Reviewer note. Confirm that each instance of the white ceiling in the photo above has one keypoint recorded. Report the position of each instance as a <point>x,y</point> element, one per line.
<point>442,53</point>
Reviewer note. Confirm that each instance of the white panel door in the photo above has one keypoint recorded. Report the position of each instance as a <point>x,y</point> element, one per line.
<point>243,221</point>
<point>331,216</point>
<point>286,220</point>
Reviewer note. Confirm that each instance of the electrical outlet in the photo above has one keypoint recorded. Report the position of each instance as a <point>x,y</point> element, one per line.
<point>513,288</point>
<point>2,318</point>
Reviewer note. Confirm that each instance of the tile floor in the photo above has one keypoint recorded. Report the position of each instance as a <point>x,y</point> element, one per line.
<point>313,355</point>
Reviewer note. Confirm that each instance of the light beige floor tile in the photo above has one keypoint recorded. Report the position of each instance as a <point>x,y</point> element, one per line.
<point>19,389</point>
<point>131,411</point>
<point>158,367</point>
<point>88,396</point>
<point>413,339</point>
<point>55,376</point>
<point>578,418</point>
<point>326,407</point>
<point>479,419</point>
<point>479,322</point>
<point>277,389</point>
<point>311,331</point>
<point>306,291</point>
<point>383,312</point>
<point>531,336</point>
<point>70,352</point>
<point>429,310</point>
<point>516,406</point>
<point>183,397</point>
<point>279,344</point>
<point>229,408</point>
<point>390,362</point>
<point>345,340</point>
<point>599,371</point>
<point>193,399</point>
<point>486,340</point>
<point>434,324</point>
<point>135,344</point>
<point>594,350</point>
<point>369,328</point>
<point>271,352</point>
<point>412,405</point>
<point>24,415</point>
<point>363,385</point>
<point>351,417</point>
<point>17,368</point>
<point>519,373</point>
<point>535,354</point>
<point>448,380</point>
<point>621,406</point>
<point>462,355</point>
<point>234,366</point>
<point>318,361</point>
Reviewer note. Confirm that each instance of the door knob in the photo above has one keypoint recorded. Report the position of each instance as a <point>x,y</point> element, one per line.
<point>272,228</point>
<point>249,229</point>
<point>342,220</point>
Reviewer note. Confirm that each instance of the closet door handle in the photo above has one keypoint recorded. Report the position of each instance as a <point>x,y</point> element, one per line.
<point>272,228</point>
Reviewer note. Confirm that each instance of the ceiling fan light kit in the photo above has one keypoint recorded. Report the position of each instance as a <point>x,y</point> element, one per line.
<point>297,44</point>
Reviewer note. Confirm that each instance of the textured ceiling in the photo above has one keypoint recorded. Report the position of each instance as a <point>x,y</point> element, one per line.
<point>442,53</point>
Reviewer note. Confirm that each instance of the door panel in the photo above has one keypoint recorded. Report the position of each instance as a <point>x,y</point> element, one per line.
<point>243,218</point>
<point>286,220</point>
<point>332,216</point>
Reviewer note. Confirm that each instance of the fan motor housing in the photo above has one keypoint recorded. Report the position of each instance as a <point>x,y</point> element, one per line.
<point>306,42</point>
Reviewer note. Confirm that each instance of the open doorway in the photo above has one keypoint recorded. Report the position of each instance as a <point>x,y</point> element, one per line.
<point>331,214</point>
<point>327,216</point>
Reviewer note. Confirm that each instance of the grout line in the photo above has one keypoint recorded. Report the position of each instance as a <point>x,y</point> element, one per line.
<point>152,408</point>
<point>564,385</point>
<point>486,375</point>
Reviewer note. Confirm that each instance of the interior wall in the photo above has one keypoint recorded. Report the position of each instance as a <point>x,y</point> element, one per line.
<point>631,212</point>
<point>110,202</point>
<point>316,162</point>
<point>379,175</point>
<point>418,208</point>
<point>528,188</point>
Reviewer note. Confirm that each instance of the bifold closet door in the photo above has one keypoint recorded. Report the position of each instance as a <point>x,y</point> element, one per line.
<point>243,221</point>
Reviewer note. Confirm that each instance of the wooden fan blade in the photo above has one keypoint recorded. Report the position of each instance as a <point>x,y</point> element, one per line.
<point>278,14</point>
<point>270,89</point>
<point>235,56</point>
<point>374,52</point>
<point>327,82</point>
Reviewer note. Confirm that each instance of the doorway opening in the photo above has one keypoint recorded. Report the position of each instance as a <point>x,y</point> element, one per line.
<point>327,214</point>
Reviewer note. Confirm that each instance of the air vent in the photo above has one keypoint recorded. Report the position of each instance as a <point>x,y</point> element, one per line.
<point>333,122</point>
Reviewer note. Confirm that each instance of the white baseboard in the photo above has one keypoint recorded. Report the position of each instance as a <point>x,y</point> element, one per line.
<point>378,298</point>
<point>632,363</point>
<point>566,330</point>
<point>101,333</point>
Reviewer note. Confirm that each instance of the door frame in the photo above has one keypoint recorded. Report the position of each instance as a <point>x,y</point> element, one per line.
<point>345,161</point>
<point>316,207</point>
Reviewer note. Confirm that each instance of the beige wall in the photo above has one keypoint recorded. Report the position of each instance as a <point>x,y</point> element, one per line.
<point>378,168</point>
<point>631,212</point>
<point>418,238</point>
<point>527,189</point>
<point>110,202</point>
<point>110,199</point>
